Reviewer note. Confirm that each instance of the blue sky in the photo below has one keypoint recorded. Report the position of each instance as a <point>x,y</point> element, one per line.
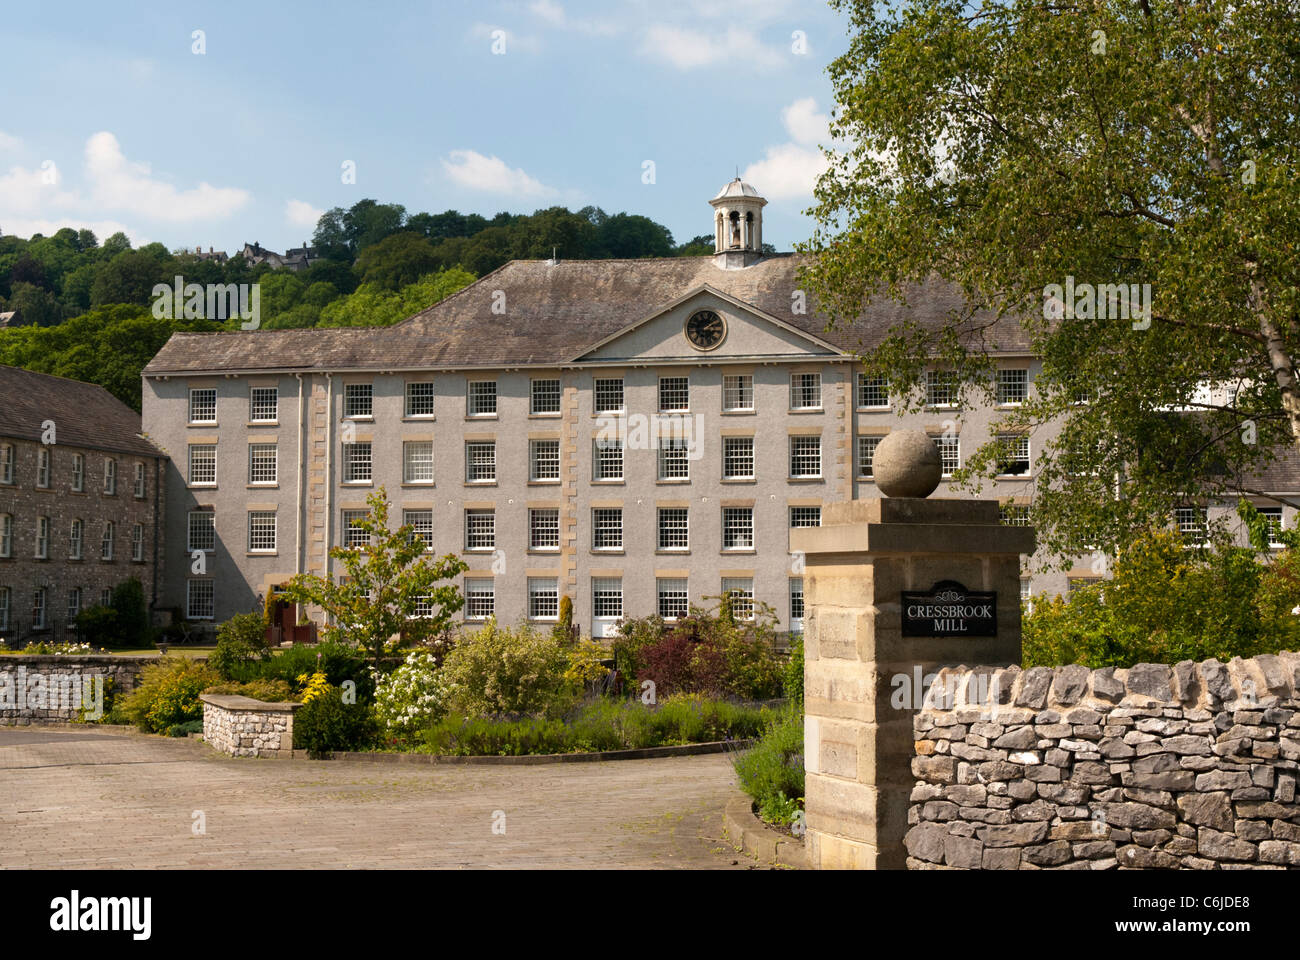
<point>110,120</point>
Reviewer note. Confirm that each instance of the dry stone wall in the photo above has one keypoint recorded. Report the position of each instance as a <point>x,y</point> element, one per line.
<point>244,727</point>
<point>42,688</point>
<point>1192,766</point>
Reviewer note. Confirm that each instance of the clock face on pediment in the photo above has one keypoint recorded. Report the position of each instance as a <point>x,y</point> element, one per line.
<point>705,330</point>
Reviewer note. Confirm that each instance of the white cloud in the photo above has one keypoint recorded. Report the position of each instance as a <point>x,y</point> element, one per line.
<point>119,184</point>
<point>32,192</point>
<point>791,169</point>
<point>300,213</point>
<point>471,169</point>
<point>555,16</point>
<point>804,123</point>
<point>688,49</point>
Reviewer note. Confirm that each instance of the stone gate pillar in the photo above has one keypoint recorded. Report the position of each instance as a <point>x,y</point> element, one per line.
<point>895,589</point>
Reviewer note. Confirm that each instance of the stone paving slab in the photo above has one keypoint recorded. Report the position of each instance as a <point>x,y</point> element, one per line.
<point>87,798</point>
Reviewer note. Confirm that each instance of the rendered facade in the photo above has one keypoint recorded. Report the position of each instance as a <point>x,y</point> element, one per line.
<point>636,434</point>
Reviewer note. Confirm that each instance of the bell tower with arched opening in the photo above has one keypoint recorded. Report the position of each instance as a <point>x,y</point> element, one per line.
<point>737,225</point>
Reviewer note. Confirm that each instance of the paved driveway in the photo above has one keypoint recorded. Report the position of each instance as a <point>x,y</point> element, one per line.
<point>79,797</point>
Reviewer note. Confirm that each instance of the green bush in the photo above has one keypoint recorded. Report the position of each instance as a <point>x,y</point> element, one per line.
<point>272,691</point>
<point>338,662</point>
<point>498,670</point>
<point>772,771</point>
<point>598,726</point>
<point>97,626</point>
<point>240,639</point>
<point>792,676</point>
<point>168,694</point>
<point>712,653</point>
<point>132,625</point>
<point>325,724</point>
<point>1165,603</point>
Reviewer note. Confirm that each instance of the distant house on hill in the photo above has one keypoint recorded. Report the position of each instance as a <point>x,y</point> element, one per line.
<point>219,256</point>
<point>295,258</point>
<point>11,318</point>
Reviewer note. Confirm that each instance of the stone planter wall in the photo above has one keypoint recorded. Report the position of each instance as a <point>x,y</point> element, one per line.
<point>59,683</point>
<point>1193,766</point>
<point>244,727</point>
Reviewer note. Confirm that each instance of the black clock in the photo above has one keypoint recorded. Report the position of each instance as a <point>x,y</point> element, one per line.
<point>705,330</point>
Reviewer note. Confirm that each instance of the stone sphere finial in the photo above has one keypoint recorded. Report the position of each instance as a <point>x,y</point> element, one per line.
<point>906,464</point>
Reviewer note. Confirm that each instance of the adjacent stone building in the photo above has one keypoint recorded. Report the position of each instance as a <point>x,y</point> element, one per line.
<point>635,434</point>
<point>80,502</point>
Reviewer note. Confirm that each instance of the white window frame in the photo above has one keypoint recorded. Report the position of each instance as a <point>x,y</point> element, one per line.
<point>200,404</point>
<point>416,400</point>
<point>6,535</point>
<point>1020,455</point>
<point>42,538</point>
<point>798,609</point>
<point>209,450</point>
<point>476,590</point>
<point>741,590</point>
<point>40,607</point>
<point>797,457</point>
<point>74,604</point>
<point>257,464</point>
<point>480,529</point>
<point>417,461</point>
<point>139,489</point>
<point>351,536</point>
<point>481,398</point>
<point>6,463</point>
<point>108,542</point>
<point>358,401</point>
<point>43,468</point>
<point>544,598</point>
<point>949,454</point>
<point>738,534</point>
<point>738,393</point>
<point>941,388</point>
<point>76,538</point>
<point>200,592</point>
<point>137,542</point>
<point>540,388</point>
<point>673,523</point>
<point>535,460</point>
<point>604,532</point>
<point>869,393</point>
<point>738,458</point>
<point>544,529</point>
<point>602,391</point>
<point>110,477</point>
<point>674,394</point>
<point>671,595</point>
<point>78,473</point>
<point>606,598</point>
<point>803,388</point>
<point>866,456</point>
<point>259,518</point>
<point>1013,386</point>
<point>421,520</point>
<point>1268,513</point>
<point>800,516</point>
<point>194,540</point>
<point>258,404</point>
<point>480,461</point>
<point>607,460</point>
<point>674,458</point>
<point>358,459</point>
<point>6,601</point>
<point>1192,520</point>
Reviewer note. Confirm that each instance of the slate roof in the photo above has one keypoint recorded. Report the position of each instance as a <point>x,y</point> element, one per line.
<point>552,312</point>
<point>84,414</point>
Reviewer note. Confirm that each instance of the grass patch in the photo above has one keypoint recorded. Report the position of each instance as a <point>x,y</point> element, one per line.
<point>772,771</point>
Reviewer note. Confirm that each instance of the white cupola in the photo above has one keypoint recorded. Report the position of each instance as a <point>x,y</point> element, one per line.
<point>737,225</point>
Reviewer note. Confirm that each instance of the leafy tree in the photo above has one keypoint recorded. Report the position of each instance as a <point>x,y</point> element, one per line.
<point>695,247</point>
<point>132,614</point>
<point>1006,146</point>
<point>627,235</point>
<point>396,261</point>
<point>37,306</point>
<point>130,277</point>
<point>374,604</point>
<point>372,307</point>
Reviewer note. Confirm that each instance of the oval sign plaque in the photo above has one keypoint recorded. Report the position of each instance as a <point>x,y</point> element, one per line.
<point>950,610</point>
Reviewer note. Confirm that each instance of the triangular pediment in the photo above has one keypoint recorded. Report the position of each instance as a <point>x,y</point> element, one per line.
<point>749,333</point>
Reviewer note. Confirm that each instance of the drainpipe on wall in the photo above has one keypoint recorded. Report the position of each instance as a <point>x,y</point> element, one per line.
<point>329,472</point>
<point>302,467</point>
<point>157,522</point>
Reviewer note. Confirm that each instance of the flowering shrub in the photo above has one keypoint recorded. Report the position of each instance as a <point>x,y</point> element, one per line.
<point>41,648</point>
<point>499,670</point>
<point>585,667</point>
<point>167,695</point>
<point>412,696</point>
<point>313,685</point>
